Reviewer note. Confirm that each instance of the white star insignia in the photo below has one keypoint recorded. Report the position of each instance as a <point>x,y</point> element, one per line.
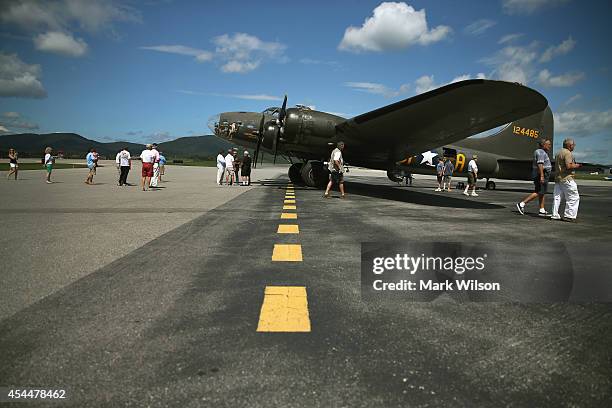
<point>428,158</point>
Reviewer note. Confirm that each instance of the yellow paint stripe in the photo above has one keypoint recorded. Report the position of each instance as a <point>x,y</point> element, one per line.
<point>289,202</point>
<point>289,195</point>
<point>289,207</point>
<point>288,229</point>
<point>284,309</point>
<point>288,216</point>
<point>287,253</point>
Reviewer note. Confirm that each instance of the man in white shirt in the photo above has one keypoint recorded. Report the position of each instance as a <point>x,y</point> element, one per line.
<point>155,177</point>
<point>148,158</point>
<point>124,163</point>
<point>229,166</point>
<point>336,169</point>
<point>472,177</point>
<point>220,167</point>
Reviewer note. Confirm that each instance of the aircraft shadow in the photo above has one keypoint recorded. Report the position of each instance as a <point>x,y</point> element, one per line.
<point>415,197</point>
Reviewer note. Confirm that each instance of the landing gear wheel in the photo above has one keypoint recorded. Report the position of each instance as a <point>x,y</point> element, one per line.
<point>295,172</point>
<point>490,185</point>
<point>314,174</point>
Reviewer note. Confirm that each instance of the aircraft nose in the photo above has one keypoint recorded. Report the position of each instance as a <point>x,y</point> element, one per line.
<point>214,123</point>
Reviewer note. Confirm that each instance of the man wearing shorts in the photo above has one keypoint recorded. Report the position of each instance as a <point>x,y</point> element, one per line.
<point>148,158</point>
<point>541,173</point>
<point>440,173</point>
<point>336,169</point>
<point>91,165</point>
<point>449,167</point>
<point>472,177</point>
<point>229,166</point>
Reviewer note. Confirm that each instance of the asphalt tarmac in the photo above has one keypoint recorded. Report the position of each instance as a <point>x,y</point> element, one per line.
<point>175,321</point>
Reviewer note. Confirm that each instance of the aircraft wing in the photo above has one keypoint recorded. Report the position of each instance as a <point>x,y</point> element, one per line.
<point>444,115</point>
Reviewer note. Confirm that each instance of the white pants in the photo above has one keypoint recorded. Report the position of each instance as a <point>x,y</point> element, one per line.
<point>567,189</point>
<point>220,172</point>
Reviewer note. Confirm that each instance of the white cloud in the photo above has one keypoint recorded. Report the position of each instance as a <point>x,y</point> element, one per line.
<point>377,89</point>
<point>424,84</point>
<point>392,26</point>
<point>60,15</point>
<point>12,122</point>
<point>3,129</point>
<point>19,79</point>
<point>60,43</point>
<point>238,53</point>
<point>427,83</point>
<point>556,50</point>
<point>510,38</point>
<point>241,53</point>
<point>545,78</point>
<point>199,55</point>
<point>52,23</point>
<point>254,97</point>
<point>514,63</point>
<point>239,66</point>
<point>572,99</point>
<point>529,6</point>
<point>479,27</point>
<point>580,123</point>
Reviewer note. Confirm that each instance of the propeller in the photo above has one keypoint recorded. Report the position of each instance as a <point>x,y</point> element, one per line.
<point>259,139</point>
<point>280,127</point>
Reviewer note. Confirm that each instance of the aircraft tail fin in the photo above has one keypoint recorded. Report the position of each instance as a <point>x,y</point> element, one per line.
<point>518,139</point>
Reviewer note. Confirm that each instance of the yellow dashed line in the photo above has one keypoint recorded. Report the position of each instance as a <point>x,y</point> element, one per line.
<point>287,253</point>
<point>288,216</point>
<point>290,196</point>
<point>289,207</point>
<point>289,202</point>
<point>284,309</point>
<point>288,229</point>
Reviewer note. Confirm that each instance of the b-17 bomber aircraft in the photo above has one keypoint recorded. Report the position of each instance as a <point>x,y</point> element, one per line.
<point>409,136</point>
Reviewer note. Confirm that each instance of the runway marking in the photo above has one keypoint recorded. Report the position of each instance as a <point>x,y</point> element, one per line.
<point>289,207</point>
<point>288,229</point>
<point>284,309</point>
<point>290,196</point>
<point>287,253</point>
<point>289,202</point>
<point>288,216</point>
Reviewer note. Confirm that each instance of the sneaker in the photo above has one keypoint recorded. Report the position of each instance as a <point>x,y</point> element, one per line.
<point>465,193</point>
<point>520,208</point>
<point>555,218</point>
<point>49,182</point>
<point>567,219</point>
<point>474,195</point>
<point>438,189</point>
<point>544,213</point>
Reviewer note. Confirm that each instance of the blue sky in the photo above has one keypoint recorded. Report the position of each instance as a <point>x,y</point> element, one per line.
<point>157,70</point>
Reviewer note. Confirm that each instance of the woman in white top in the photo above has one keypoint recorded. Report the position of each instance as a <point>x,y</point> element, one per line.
<point>48,162</point>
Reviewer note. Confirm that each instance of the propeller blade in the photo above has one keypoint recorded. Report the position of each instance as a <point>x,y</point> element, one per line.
<point>281,124</point>
<point>259,139</point>
<point>283,111</point>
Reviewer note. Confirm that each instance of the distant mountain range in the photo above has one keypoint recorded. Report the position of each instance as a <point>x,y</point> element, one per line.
<point>76,146</point>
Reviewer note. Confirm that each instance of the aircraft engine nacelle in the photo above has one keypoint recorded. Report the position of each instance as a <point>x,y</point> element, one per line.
<point>303,125</point>
<point>269,134</point>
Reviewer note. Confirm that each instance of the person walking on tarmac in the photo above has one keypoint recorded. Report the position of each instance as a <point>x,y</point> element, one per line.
<point>440,173</point>
<point>565,186</point>
<point>449,168</point>
<point>472,177</point>
<point>541,173</point>
<point>336,169</point>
